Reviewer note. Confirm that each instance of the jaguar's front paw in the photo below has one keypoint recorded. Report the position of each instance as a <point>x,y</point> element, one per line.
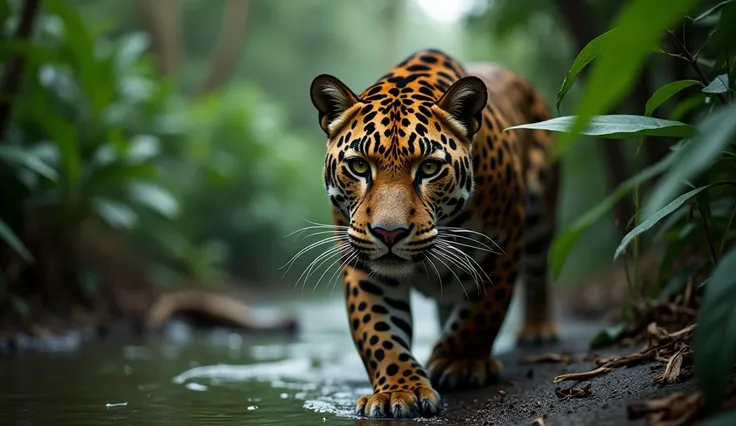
<point>463,373</point>
<point>421,401</point>
<point>537,333</point>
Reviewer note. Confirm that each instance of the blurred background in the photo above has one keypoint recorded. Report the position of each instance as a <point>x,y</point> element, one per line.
<point>172,144</point>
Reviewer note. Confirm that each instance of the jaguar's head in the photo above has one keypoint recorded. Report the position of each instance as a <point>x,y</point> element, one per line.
<point>398,164</point>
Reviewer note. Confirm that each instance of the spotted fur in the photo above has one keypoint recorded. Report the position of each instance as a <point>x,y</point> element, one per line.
<point>422,177</point>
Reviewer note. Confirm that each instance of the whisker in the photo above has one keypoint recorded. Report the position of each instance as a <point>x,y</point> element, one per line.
<point>314,266</point>
<point>325,272</point>
<point>451,271</point>
<point>333,231</point>
<point>470,258</point>
<point>439,278</point>
<point>461,263</point>
<point>326,256</point>
<point>484,247</point>
<point>451,229</point>
<point>327,240</point>
<point>344,264</point>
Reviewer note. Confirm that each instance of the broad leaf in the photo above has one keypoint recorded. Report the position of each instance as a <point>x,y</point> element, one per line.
<point>659,215</point>
<point>130,48</point>
<point>608,335</point>
<point>589,52</point>
<point>155,197</point>
<point>11,239</point>
<point>616,126</point>
<point>713,134</point>
<point>116,214</point>
<point>566,240</point>
<point>640,26</point>
<point>718,85</point>
<point>715,337</point>
<point>666,92</point>
<point>27,158</point>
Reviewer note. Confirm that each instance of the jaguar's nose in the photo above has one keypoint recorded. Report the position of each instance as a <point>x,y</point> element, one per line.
<point>389,236</point>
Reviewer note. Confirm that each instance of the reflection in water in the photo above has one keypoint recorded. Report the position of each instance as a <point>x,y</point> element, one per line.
<point>215,378</point>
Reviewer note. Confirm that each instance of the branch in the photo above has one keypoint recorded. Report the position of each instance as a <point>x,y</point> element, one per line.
<point>161,19</point>
<point>11,79</point>
<point>693,61</point>
<point>229,44</point>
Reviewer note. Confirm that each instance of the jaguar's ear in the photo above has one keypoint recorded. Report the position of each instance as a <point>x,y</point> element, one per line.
<point>463,104</point>
<point>331,98</point>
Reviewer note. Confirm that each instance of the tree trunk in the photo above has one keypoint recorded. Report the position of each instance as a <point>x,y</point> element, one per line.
<point>162,19</point>
<point>11,79</point>
<point>229,46</point>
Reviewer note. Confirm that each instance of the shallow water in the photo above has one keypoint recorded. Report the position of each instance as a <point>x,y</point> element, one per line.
<point>207,378</point>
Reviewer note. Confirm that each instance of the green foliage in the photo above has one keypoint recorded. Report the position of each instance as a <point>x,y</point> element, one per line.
<point>7,235</point>
<point>198,186</point>
<point>639,27</point>
<point>608,335</point>
<point>586,56</point>
<point>715,132</point>
<point>715,336</point>
<point>724,419</point>
<point>615,126</point>
<point>568,237</point>
<point>702,156</point>
<point>655,218</point>
<point>666,92</point>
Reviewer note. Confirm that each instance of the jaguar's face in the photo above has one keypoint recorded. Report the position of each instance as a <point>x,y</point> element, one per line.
<point>398,169</point>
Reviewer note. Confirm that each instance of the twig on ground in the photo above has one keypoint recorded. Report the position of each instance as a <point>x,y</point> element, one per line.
<point>662,346</point>
<point>548,357</point>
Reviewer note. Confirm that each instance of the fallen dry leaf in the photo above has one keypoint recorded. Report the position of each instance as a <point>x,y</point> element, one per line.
<point>565,394</point>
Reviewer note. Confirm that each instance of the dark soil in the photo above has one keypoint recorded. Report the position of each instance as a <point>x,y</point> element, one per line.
<point>529,391</point>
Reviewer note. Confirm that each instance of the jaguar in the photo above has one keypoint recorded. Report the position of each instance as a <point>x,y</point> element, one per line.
<point>431,191</point>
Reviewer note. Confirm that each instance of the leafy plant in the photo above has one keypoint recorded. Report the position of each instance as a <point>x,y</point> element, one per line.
<point>689,194</point>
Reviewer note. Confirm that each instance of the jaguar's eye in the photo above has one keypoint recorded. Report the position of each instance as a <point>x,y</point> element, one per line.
<point>359,166</point>
<point>429,168</point>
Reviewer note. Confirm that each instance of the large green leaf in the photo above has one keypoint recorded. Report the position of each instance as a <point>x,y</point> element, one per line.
<point>640,26</point>
<point>616,126</point>
<point>718,85</point>
<point>715,337</point>
<point>115,213</point>
<point>654,219</point>
<point>155,198</point>
<point>713,134</point>
<point>666,92</point>
<point>565,240</point>
<point>11,239</point>
<point>81,48</point>
<point>27,158</point>
<point>589,52</point>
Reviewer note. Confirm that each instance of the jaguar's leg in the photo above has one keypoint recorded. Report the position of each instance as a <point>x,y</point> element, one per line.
<point>381,325</point>
<point>462,357</point>
<point>539,325</point>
